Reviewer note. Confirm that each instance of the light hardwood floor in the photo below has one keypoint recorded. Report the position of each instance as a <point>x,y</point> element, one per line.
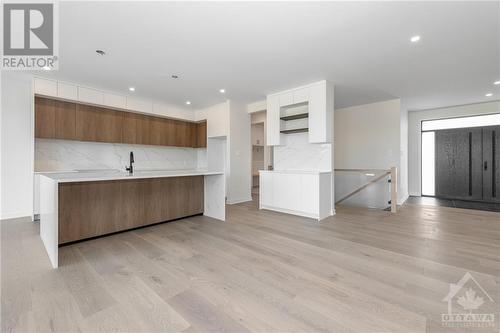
<point>359,271</point>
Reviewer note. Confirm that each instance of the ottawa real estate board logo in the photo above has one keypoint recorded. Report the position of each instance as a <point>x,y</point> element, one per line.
<point>466,299</point>
<point>30,35</point>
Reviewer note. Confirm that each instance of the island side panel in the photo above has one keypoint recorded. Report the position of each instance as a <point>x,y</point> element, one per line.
<point>48,195</point>
<point>215,197</point>
<point>95,208</point>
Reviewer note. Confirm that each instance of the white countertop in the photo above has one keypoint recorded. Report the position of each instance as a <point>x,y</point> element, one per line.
<point>299,172</point>
<point>75,176</point>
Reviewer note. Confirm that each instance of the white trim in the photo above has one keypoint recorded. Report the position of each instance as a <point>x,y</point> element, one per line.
<point>289,211</point>
<point>16,215</point>
<point>257,106</point>
<point>240,200</point>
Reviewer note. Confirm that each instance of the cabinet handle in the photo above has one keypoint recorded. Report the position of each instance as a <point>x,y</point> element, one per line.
<point>485,165</point>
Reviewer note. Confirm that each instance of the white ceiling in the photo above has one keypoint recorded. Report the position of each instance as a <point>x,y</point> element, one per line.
<point>252,49</point>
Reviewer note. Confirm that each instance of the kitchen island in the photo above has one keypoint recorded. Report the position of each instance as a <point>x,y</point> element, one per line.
<point>79,205</point>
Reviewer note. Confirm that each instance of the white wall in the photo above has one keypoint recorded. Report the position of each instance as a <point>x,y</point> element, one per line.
<point>370,137</point>
<point>231,121</point>
<point>217,117</point>
<point>403,167</point>
<point>414,134</point>
<point>240,155</point>
<point>260,118</point>
<point>17,145</point>
<point>258,134</point>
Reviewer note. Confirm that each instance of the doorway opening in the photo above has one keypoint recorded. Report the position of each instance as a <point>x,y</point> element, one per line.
<point>460,158</point>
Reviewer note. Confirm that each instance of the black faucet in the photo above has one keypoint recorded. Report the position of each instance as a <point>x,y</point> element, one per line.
<point>130,168</point>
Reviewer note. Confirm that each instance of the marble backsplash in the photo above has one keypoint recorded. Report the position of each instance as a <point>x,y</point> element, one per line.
<point>65,155</point>
<point>298,154</point>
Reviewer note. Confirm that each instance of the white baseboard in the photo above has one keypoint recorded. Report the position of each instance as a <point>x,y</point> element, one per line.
<point>236,201</point>
<point>403,199</point>
<point>289,211</point>
<point>16,215</point>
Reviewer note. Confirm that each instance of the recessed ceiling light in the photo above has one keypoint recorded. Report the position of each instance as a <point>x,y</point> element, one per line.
<point>175,76</point>
<point>131,89</point>
<point>496,82</point>
<point>369,174</point>
<point>46,68</point>
<point>188,102</point>
<point>222,90</point>
<point>415,39</point>
<point>100,52</point>
<point>488,95</point>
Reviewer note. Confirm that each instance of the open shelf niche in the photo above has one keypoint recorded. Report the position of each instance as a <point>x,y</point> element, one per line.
<point>294,118</point>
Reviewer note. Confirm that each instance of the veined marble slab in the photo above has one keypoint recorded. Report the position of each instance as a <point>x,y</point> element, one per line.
<point>69,177</point>
<point>298,154</point>
<point>60,155</point>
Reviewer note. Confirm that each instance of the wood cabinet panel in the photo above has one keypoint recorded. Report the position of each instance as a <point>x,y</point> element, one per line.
<point>156,127</point>
<point>90,209</point>
<point>129,128</point>
<point>74,121</point>
<point>201,135</point>
<point>168,132</point>
<point>181,136</point>
<point>98,124</point>
<point>45,118</point>
<point>65,121</point>
<point>142,136</point>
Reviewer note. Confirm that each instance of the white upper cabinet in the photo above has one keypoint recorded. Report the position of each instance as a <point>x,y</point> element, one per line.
<point>45,87</point>
<point>301,95</point>
<point>88,95</point>
<point>115,101</point>
<point>67,91</point>
<point>273,122</point>
<point>286,99</point>
<point>316,99</point>
<point>321,112</point>
<point>140,105</point>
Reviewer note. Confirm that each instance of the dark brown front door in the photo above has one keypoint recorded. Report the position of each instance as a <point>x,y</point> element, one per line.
<point>467,166</point>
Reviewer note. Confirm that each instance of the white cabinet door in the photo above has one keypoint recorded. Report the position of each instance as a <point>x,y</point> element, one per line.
<point>309,194</point>
<point>45,87</point>
<point>88,95</point>
<point>140,105</point>
<point>266,189</point>
<point>116,101</point>
<point>301,95</point>
<point>286,99</point>
<point>286,191</point>
<point>320,112</point>
<point>67,91</point>
<point>273,134</point>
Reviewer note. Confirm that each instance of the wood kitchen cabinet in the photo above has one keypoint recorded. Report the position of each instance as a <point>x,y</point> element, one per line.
<point>55,119</point>
<point>90,209</point>
<point>201,135</point>
<point>45,118</point>
<point>65,120</point>
<point>129,128</point>
<point>98,124</point>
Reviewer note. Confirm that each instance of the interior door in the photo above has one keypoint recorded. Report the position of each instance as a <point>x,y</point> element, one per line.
<point>459,164</point>
<point>491,164</point>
